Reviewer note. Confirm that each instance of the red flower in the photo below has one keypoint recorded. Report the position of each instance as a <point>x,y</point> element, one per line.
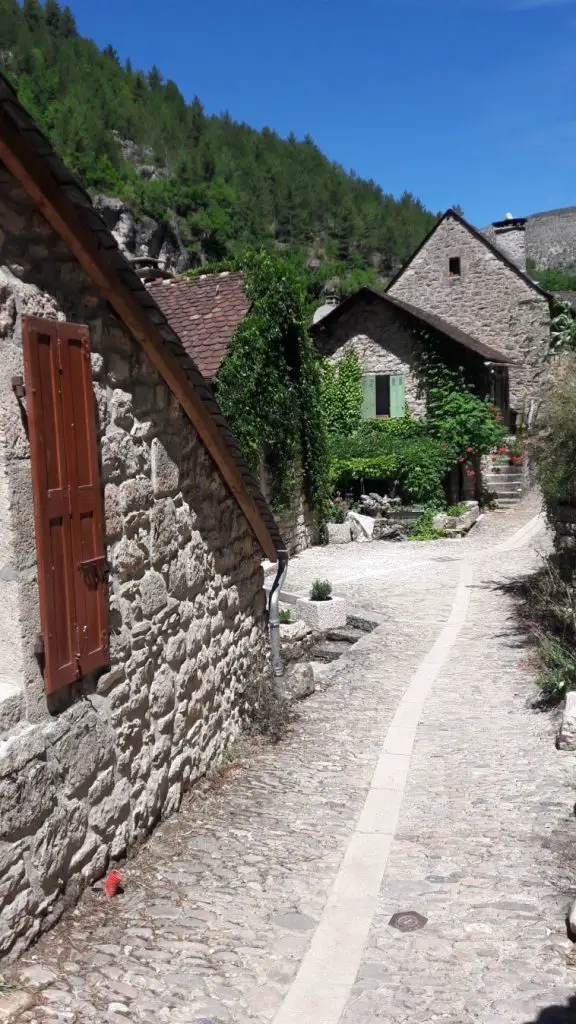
<point>468,450</point>
<point>113,883</point>
<point>502,449</point>
<point>470,472</point>
<point>462,458</point>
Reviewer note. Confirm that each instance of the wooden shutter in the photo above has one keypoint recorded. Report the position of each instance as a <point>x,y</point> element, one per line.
<point>397,397</point>
<point>67,500</point>
<point>369,396</point>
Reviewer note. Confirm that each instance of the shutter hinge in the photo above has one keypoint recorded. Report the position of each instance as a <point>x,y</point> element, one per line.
<point>18,387</point>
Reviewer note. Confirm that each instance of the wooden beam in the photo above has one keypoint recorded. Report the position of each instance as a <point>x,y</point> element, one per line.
<point>31,173</point>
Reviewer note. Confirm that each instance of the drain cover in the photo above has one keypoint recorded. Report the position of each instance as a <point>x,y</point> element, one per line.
<point>407,921</point>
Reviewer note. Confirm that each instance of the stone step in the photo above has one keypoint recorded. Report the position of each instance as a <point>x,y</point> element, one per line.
<point>508,492</point>
<point>346,635</point>
<point>329,650</point>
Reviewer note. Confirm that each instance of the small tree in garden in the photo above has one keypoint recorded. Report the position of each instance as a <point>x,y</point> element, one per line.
<point>462,421</point>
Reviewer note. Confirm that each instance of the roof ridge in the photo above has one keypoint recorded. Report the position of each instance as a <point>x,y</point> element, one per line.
<point>495,249</point>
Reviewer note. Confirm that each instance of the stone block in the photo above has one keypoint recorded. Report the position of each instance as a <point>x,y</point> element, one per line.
<point>567,733</point>
<point>153,593</point>
<point>297,683</point>
<point>339,533</point>
<point>162,692</point>
<point>164,529</point>
<point>165,461</point>
<point>112,514</point>
<point>362,527</point>
<point>26,800</point>
<point>322,615</point>
<point>135,495</point>
<point>127,558</point>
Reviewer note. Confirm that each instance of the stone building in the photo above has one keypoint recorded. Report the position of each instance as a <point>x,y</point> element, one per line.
<point>458,274</point>
<point>205,312</point>
<point>547,240</point>
<point>384,333</point>
<point>132,613</point>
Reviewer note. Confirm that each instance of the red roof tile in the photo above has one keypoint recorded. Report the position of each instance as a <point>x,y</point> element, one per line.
<point>204,311</point>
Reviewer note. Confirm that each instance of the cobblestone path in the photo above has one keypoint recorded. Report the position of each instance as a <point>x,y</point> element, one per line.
<point>230,913</point>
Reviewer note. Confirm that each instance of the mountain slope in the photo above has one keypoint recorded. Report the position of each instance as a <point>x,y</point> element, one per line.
<point>221,185</point>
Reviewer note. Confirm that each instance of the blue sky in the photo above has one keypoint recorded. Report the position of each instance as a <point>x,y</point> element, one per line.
<point>458,101</point>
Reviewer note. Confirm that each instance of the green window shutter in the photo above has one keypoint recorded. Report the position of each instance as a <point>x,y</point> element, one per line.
<point>369,396</point>
<point>397,398</point>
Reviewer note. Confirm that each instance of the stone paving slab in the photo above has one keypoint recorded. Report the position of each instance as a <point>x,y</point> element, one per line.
<point>222,904</point>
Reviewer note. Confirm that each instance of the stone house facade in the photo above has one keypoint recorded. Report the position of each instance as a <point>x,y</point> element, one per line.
<point>92,757</point>
<point>205,311</point>
<point>458,274</point>
<point>383,332</point>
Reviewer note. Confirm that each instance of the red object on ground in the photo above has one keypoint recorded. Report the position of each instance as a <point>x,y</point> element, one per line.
<point>113,883</point>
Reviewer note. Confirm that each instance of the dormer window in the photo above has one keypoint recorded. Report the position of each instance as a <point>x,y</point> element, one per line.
<point>454,266</point>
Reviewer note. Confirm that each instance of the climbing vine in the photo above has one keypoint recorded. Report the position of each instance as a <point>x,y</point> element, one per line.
<point>342,395</point>
<point>269,385</point>
<point>460,419</point>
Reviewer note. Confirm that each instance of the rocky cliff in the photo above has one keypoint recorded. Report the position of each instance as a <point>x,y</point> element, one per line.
<point>141,236</point>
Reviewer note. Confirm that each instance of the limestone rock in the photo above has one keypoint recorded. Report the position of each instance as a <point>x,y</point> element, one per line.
<point>153,593</point>
<point>339,533</point>
<point>567,734</point>
<point>165,467</point>
<point>297,682</point>
<point>362,527</point>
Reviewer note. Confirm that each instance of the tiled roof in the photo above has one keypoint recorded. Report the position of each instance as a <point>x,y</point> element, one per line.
<point>204,311</point>
<point>42,172</point>
<point>415,315</point>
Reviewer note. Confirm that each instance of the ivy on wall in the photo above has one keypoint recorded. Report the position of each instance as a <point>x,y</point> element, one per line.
<point>269,385</point>
<point>342,395</point>
<point>456,415</point>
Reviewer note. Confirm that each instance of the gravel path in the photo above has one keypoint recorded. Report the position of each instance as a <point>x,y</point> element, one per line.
<point>226,908</point>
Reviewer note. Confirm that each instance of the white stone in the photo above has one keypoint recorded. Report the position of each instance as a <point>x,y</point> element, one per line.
<point>339,533</point>
<point>298,682</point>
<point>293,631</point>
<point>322,615</point>
<point>458,524</point>
<point>567,734</point>
<point>362,527</point>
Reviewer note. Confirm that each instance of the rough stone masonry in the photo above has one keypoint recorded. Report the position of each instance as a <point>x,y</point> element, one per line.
<point>80,785</point>
<point>488,300</point>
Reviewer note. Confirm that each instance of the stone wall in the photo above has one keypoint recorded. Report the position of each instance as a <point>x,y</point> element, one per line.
<point>511,239</point>
<point>551,238</point>
<point>489,301</point>
<point>82,780</point>
<point>299,525</point>
<point>381,341</point>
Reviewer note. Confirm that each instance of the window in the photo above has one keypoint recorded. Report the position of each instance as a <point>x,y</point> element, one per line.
<point>454,266</point>
<point>383,395</point>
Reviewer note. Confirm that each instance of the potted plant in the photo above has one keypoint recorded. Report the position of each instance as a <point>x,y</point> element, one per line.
<point>321,610</point>
<point>337,528</point>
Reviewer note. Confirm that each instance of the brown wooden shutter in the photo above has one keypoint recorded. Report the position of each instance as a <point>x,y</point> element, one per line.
<point>67,500</point>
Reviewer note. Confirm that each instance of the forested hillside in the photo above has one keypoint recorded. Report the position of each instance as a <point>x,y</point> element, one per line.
<point>132,135</point>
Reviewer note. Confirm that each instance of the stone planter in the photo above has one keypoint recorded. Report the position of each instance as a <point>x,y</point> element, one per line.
<point>458,524</point>
<point>339,533</point>
<point>322,615</point>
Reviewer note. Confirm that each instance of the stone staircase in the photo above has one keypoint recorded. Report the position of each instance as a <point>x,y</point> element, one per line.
<point>505,481</point>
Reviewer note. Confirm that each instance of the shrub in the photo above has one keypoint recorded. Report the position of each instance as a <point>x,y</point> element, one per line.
<point>338,509</point>
<point>424,529</point>
<point>553,449</point>
<point>285,616</point>
<point>321,590</point>
<point>549,613</point>
<point>398,453</point>
<point>342,395</point>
